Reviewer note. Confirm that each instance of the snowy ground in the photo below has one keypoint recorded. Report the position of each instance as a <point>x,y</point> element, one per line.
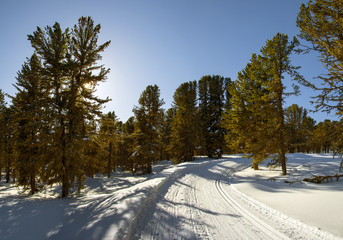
<point>196,200</point>
<point>318,205</point>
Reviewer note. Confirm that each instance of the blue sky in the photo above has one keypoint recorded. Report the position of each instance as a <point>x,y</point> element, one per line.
<point>163,42</point>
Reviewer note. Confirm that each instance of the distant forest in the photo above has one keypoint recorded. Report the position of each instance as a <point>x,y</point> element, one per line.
<point>54,131</point>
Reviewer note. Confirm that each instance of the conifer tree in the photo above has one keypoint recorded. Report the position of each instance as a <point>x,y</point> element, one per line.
<point>321,25</point>
<point>148,124</point>
<point>9,144</point>
<point>168,117</point>
<point>211,108</point>
<point>70,67</point>
<point>299,127</point>
<point>185,124</point>
<point>126,145</point>
<point>2,129</point>
<point>106,140</point>
<point>29,106</point>
<point>264,104</point>
<point>92,150</point>
<point>276,59</point>
<point>320,22</point>
<point>250,122</point>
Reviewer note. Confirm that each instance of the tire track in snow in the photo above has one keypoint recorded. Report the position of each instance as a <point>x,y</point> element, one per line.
<point>263,227</point>
<point>199,203</point>
<point>187,210</point>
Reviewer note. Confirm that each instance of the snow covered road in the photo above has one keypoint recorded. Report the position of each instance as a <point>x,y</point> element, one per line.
<point>199,203</point>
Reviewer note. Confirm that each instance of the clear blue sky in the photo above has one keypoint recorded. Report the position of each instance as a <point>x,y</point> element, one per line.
<point>163,42</point>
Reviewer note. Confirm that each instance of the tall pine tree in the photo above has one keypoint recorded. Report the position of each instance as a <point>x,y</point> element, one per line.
<point>211,108</point>
<point>148,125</point>
<point>258,99</point>
<point>70,66</point>
<point>185,123</point>
<point>30,117</point>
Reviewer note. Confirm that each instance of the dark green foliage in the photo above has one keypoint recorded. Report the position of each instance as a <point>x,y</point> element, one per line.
<point>168,118</point>
<point>106,141</point>
<point>30,117</point>
<point>147,130</point>
<point>299,128</point>
<point>2,129</point>
<point>71,73</point>
<point>185,123</point>
<point>211,107</point>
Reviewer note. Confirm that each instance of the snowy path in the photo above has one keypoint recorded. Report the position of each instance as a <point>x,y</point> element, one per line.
<point>199,203</point>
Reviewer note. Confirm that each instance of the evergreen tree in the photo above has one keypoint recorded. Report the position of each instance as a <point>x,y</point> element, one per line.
<point>168,117</point>
<point>298,127</point>
<point>2,129</point>
<point>71,70</point>
<point>184,126</point>
<point>250,122</point>
<point>325,135</point>
<point>258,107</point>
<point>106,140</point>
<point>92,150</point>
<point>126,145</point>
<point>148,124</point>
<point>211,108</point>
<point>29,106</point>
<point>320,22</point>
<point>9,141</point>
<point>276,58</point>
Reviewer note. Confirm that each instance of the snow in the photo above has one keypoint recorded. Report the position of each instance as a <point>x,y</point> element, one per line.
<point>194,195</point>
<point>314,204</point>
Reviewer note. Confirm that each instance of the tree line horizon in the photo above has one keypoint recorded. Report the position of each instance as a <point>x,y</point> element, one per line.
<point>54,131</point>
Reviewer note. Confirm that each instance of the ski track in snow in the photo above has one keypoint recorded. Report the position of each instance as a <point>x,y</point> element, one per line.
<point>200,203</point>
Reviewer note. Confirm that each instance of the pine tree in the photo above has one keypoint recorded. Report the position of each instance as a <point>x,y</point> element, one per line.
<point>9,151</point>
<point>70,67</point>
<point>148,124</point>
<point>276,58</point>
<point>184,126</point>
<point>298,127</point>
<point>107,138</point>
<point>29,106</point>
<point>211,108</point>
<point>257,102</point>
<point>320,22</point>
<point>2,129</point>
<point>126,145</point>
<point>250,121</point>
<point>168,117</point>
<point>92,150</point>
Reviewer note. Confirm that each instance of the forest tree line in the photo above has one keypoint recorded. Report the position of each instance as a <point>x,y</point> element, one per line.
<point>54,131</point>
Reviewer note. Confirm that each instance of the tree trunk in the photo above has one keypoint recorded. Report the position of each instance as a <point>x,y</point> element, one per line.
<point>109,161</point>
<point>281,126</point>
<point>33,183</point>
<point>149,167</point>
<point>65,186</point>
<point>8,173</point>
<point>65,170</point>
<point>254,165</point>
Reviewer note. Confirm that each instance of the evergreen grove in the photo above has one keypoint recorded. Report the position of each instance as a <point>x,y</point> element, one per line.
<point>54,131</point>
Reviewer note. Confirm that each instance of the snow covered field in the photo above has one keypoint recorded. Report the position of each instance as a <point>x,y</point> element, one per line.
<point>319,205</point>
<point>196,200</point>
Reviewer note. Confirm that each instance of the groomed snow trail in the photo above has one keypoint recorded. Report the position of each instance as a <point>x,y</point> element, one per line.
<point>199,203</point>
